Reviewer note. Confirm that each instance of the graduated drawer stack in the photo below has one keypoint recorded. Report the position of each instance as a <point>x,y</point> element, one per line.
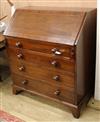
<point>52,53</point>
<point>44,68</point>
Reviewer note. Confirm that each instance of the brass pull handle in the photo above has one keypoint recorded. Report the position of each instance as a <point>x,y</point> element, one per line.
<point>56,51</point>
<point>20,56</point>
<point>54,63</point>
<point>57,93</point>
<point>24,82</point>
<point>18,44</point>
<point>22,68</point>
<point>57,78</point>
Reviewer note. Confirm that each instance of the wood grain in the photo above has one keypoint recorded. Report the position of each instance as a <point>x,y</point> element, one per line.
<point>73,49</point>
<point>44,89</point>
<point>44,74</point>
<point>5,8</point>
<point>42,46</point>
<point>42,60</point>
<point>45,25</point>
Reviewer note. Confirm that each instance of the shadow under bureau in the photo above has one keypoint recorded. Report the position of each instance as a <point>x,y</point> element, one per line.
<point>52,53</point>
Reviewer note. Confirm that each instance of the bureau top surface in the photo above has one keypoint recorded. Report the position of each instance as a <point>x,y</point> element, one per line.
<point>47,24</point>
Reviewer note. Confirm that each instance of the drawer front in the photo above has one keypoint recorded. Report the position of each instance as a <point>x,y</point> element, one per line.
<point>63,94</point>
<point>41,46</point>
<point>42,60</point>
<point>55,77</point>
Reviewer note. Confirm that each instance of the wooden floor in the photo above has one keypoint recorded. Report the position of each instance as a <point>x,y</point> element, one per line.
<point>32,108</point>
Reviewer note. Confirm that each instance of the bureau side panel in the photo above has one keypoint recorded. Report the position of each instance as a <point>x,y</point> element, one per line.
<point>85,57</point>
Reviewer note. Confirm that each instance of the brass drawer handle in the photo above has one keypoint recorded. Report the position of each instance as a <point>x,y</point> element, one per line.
<point>20,56</point>
<point>54,63</point>
<point>25,82</point>
<point>22,68</point>
<point>57,92</point>
<point>18,44</point>
<point>57,78</point>
<point>56,51</point>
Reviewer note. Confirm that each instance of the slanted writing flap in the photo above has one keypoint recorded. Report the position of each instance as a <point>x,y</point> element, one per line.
<point>46,25</point>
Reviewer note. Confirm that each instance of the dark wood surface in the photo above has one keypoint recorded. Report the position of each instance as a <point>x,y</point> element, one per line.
<point>44,25</point>
<point>49,61</point>
<point>41,46</point>
<point>53,58</point>
<point>85,56</point>
<point>43,73</point>
<point>57,92</point>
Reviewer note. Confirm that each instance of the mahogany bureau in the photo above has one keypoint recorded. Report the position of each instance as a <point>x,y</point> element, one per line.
<point>52,53</point>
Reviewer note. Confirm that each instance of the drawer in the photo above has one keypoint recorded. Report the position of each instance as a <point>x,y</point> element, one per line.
<point>42,46</point>
<point>42,60</point>
<point>60,93</point>
<point>55,77</point>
